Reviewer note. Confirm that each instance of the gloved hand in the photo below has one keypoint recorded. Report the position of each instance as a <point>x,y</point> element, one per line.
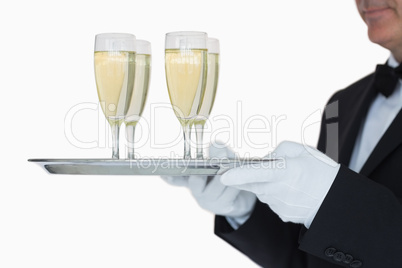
<point>212,195</point>
<point>294,186</point>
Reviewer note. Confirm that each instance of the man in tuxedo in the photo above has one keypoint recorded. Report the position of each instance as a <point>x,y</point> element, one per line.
<point>335,206</point>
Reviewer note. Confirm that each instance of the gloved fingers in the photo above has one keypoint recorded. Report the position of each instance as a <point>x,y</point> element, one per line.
<point>229,194</point>
<point>176,180</point>
<point>218,149</point>
<point>288,149</point>
<point>240,202</point>
<point>233,203</point>
<point>252,173</point>
<point>285,195</point>
<point>257,188</point>
<point>214,188</point>
<point>245,199</point>
<point>197,184</point>
<point>292,149</point>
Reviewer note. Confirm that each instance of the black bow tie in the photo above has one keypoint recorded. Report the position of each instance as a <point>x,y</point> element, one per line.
<point>386,78</point>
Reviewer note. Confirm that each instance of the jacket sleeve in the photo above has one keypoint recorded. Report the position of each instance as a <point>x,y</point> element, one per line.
<point>359,222</point>
<point>264,238</point>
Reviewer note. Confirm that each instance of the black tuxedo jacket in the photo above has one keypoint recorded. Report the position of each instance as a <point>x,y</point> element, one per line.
<point>359,224</point>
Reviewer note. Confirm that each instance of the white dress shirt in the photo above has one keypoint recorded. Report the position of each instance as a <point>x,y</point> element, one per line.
<point>379,117</point>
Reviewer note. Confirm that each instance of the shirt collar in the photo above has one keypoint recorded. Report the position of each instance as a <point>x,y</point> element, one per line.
<point>392,62</point>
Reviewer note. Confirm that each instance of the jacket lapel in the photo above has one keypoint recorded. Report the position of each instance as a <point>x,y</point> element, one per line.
<point>388,142</point>
<point>354,112</point>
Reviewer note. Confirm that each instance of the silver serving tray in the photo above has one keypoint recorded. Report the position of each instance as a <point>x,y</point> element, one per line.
<point>152,166</point>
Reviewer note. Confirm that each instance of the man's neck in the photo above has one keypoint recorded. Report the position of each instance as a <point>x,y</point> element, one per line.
<point>397,55</point>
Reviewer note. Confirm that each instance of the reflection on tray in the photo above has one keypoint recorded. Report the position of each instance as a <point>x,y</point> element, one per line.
<point>151,166</point>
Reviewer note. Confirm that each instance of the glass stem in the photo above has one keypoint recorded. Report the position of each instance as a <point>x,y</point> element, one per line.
<point>115,126</point>
<point>199,132</point>
<point>130,134</point>
<point>187,142</point>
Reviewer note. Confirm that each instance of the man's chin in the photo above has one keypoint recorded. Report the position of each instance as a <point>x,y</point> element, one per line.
<point>380,37</point>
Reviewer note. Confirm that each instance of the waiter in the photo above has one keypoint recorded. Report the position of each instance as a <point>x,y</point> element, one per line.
<point>340,205</point>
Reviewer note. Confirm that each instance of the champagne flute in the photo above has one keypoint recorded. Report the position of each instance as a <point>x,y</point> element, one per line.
<point>186,72</point>
<point>209,95</point>
<point>140,91</point>
<point>114,75</point>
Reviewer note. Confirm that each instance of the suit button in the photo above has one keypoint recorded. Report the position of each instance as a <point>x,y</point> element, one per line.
<point>339,256</point>
<point>356,264</point>
<point>329,252</point>
<point>348,259</point>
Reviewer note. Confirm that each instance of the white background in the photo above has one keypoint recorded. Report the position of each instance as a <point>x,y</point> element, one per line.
<point>278,58</point>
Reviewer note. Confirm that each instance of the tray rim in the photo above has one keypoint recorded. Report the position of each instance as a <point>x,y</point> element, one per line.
<point>142,166</point>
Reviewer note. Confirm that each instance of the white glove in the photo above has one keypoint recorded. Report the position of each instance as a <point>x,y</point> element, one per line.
<point>212,195</point>
<point>293,186</point>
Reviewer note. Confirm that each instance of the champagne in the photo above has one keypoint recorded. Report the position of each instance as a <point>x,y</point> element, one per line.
<point>186,72</point>
<point>114,75</point>
<point>210,89</point>
<point>140,91</point>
